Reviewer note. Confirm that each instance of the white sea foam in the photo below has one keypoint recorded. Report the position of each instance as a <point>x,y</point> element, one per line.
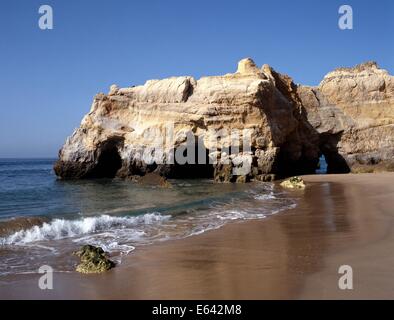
<point>239,215</point>
<point>62,228</point>
<point>267,196</point>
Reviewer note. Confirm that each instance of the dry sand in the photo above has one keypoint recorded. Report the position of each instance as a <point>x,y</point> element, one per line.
<point>340,220</point>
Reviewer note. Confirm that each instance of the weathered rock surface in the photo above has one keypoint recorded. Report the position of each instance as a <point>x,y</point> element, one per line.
<point>353,111</point>
<point>274,127</point>
<point>93,260</point>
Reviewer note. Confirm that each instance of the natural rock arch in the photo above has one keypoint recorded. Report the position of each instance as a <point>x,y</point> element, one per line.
<point>348,117</point>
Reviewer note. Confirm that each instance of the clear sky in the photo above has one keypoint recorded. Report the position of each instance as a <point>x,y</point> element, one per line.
<point>48,78</point>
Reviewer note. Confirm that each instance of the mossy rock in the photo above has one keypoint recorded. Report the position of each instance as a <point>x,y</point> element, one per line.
<point>293,183</point>
<point>93,260</point>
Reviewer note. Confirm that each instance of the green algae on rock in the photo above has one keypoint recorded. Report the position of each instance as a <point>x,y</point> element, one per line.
<point>293,183</point>
<point>93,260</point>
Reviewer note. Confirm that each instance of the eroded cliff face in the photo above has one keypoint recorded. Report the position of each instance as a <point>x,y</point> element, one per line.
<point>251,124</point>
<point>353,111</point>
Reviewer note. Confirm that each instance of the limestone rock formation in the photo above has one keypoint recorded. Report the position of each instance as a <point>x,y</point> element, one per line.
<point>353,111</point>
<point>251,124</point>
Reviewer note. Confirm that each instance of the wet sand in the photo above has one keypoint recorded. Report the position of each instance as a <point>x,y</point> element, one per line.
<point>339,220</point>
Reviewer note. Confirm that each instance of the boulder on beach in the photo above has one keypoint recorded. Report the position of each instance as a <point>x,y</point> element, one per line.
<point>93,260</point>
<point>293,183</point>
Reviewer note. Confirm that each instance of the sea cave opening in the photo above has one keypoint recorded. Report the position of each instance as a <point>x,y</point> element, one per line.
<point>108,162</point>
<point>192,162</point>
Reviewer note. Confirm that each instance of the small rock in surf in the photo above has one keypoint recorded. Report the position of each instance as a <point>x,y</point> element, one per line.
<point>293,183</point>
<point>93,260</point>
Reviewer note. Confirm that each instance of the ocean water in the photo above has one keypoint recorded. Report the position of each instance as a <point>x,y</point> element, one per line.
<point>322,166</point>
<point>43,219</point>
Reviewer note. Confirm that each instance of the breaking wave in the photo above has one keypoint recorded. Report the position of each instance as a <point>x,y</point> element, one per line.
<point>62,228</point>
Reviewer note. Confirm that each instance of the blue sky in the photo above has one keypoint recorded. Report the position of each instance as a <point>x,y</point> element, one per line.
<point>48,78</point>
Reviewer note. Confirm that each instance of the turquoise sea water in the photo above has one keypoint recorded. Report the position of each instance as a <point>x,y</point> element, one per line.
<point>43,219</point>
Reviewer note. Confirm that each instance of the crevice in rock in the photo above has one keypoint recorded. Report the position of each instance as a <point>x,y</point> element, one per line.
<point>188,91</point>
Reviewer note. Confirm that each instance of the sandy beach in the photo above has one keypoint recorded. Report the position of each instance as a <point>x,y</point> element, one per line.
<point>339,220</point>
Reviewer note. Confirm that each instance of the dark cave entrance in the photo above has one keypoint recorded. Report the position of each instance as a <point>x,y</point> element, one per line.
<point>192,162</point>
<point>108,161</point>
<point>336,163</point>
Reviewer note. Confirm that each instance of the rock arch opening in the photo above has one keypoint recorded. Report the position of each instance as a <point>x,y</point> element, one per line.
<point>322,165</point>
<point>329,149</point>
